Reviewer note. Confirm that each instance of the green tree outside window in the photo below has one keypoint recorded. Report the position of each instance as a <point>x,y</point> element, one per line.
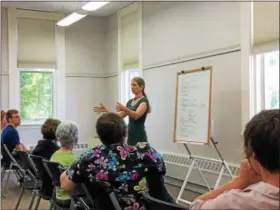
<point>36,96</point>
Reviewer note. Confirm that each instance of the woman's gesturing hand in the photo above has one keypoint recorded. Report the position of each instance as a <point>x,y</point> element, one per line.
<point>100,109</point>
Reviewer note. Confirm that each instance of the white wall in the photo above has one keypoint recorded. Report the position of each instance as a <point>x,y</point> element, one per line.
<point>181,29</point>
<point>85,66</point>
<point>85,47</point>
<point>112,44</point>
<point>4,58</point>
<point>174,29</point>
<point>112,62</point>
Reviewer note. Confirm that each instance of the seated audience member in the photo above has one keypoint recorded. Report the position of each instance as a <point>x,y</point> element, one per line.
<point>3,120</point>
<point>67,135</point>
<point>46,147</point>
<point>115,164</point>
<point>257,186</point>
<point>10,136</point>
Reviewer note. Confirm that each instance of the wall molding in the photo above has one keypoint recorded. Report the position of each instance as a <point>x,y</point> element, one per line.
<point>5,74</point>
<point>86,75</point>
<point>197,56</point>
<point>115,74</point>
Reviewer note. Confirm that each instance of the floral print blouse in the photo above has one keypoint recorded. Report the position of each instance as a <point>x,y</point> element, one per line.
<point>122,167</point>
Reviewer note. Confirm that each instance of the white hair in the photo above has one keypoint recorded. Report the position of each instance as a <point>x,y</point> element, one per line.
<point>67,133</point>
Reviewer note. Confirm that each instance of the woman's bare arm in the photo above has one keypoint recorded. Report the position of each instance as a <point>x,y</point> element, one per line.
<point>142,108</point>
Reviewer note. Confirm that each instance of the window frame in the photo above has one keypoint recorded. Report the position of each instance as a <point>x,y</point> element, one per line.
<point>40,70</point>
<point>258,81</point>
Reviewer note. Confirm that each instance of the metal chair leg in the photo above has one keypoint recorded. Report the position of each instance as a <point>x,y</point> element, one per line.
<point>2,179</point>
<point>38,202</point>
<point>7,180</point>
<point>72,205</point>
<point>33,198</point>
<point>51,206</point>
<point>19,199</point>
<point>3,174</point>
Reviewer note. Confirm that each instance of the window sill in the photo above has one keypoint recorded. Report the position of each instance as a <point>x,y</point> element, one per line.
<point>32,123</point>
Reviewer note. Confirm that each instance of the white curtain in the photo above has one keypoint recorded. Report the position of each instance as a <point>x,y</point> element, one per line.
<point>36,43</point>
<point>265,26</point>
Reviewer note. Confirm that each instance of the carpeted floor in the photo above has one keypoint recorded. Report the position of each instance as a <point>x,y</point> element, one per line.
<point>11,196</point>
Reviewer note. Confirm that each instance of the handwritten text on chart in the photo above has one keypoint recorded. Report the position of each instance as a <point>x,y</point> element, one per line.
<point>193,96</point>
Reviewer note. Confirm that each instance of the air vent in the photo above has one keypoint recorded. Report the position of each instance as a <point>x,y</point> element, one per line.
<point>81,146</point>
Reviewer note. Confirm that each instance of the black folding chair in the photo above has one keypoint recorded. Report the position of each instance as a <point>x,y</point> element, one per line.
<point>24,176</point>
<point>156,185</point>
<point>54,170</point>
<point>77,201</point>
<point>30,181</point>
<point>12,165</point>
<point>36,162</point>
<point>101,196</point>
<point>151,203</point>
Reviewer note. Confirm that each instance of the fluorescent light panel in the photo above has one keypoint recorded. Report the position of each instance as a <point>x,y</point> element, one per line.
<point>72,18</point>
<point>92,6</point>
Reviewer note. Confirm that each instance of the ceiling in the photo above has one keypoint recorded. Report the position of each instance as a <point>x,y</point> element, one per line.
<point>65,7</point>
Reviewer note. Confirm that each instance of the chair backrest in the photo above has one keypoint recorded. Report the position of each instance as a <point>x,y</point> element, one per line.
<point>156,185</point>
<point>36,163</point>
<point>42,174</point>
<point>23,159</point>
<point>151,203</point>
<point>101,196</point>
<point>24,162</point>
<point>6,152</point>
<point>54,170</point>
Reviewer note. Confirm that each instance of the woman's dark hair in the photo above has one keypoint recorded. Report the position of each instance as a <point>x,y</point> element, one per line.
<point>141,82</point>
<point>111,129</point>
<point>262,137</point>
<point>49,127</point>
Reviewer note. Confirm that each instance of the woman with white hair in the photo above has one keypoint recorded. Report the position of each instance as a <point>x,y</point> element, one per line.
<point>67,135</point>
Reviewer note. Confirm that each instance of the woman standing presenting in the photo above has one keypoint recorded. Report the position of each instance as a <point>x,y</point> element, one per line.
<point>136,109</point>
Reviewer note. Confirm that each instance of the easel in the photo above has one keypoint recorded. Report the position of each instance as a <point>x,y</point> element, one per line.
<point>194,164</point>
<point>209,137</point>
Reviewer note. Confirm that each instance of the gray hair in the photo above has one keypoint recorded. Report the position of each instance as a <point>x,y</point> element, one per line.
<point>67,133</point>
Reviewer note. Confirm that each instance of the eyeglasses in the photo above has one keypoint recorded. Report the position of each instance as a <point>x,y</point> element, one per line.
<point>16,117</point>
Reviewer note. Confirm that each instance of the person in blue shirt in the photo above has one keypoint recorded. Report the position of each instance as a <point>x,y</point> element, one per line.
<point>10,136</point>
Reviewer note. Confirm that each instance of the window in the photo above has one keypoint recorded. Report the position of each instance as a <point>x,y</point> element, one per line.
<point>266,84</point>
<point>36,94</point>
<point>126,77</point>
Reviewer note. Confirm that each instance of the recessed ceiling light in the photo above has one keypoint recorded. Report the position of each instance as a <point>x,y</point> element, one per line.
<point>92,6</point>
<point>72,18</point>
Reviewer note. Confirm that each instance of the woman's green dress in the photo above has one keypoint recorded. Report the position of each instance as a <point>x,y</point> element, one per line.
<point>136,128</point>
